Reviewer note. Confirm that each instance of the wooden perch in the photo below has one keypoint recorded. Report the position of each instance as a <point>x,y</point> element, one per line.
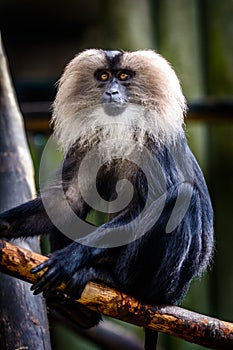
<point>173,320</point>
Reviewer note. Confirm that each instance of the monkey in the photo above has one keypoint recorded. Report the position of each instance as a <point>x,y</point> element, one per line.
<point>119,119</point>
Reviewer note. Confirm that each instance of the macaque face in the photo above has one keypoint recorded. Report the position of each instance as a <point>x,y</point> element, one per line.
<point>99,84</point>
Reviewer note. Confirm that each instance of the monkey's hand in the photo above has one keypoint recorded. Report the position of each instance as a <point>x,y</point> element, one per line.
<point>66,265</point>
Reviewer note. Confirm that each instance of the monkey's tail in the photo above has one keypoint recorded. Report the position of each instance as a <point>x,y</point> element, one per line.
<point>151,338</point>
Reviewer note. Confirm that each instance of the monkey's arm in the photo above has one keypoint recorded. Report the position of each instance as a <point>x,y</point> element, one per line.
<point>26,220</point>
<point>32,218</point>
<point>76,264</point>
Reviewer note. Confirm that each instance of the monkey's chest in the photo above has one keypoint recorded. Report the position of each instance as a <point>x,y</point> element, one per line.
<point>114,179</point>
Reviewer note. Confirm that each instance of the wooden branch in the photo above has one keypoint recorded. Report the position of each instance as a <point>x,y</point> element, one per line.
<point>173,320</point>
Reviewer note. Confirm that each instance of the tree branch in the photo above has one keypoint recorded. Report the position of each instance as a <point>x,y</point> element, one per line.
<point>190,326</point>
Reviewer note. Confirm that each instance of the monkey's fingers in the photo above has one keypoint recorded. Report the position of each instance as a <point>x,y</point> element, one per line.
<point>49,281</point>
<point>42,266</point>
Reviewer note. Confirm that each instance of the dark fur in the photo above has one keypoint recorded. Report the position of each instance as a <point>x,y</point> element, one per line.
<point>156,268</point>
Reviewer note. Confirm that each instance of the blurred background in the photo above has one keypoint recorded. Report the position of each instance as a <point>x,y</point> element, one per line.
<point>196,36</point>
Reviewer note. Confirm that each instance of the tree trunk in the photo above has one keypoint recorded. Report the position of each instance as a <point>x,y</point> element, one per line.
<point>23,317</point>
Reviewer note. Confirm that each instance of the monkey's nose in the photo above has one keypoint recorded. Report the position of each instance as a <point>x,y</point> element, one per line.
<point>111,95</point>
<point>114,93</point>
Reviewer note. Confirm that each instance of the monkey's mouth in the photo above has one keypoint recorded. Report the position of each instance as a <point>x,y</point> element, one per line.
<point>114,109</point>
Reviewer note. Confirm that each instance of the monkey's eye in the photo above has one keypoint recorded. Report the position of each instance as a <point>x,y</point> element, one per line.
<point>124,75</point>
<point>102,75</point>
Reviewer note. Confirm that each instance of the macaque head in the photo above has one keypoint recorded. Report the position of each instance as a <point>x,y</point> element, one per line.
<point>101,87</point>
